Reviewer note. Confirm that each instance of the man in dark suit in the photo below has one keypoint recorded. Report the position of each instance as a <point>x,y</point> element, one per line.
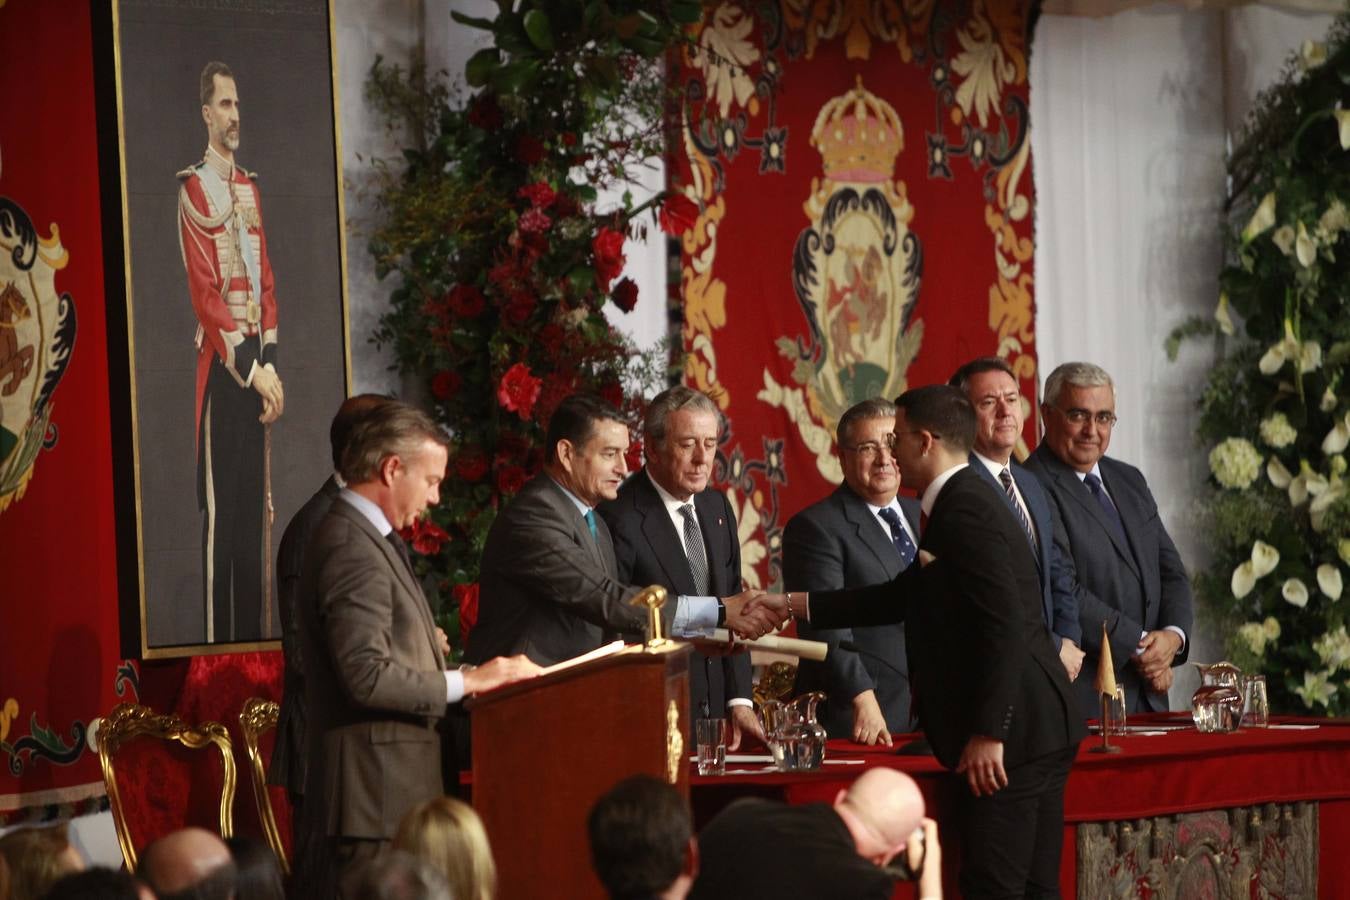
<point>550,585</point>
<point>670,529</point>
<point>838,849</point>
<point>993,698</point>
<point>1132,576</point>
<point>287,768</point>
<point>860,534</point>
<point>376,683</point>
<point>991,387</point>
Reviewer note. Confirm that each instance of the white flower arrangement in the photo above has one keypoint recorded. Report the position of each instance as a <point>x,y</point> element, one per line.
<point>1276,431</point>
<point>1235,463</point>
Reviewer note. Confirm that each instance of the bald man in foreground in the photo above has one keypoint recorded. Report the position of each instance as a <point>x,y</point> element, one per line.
<point>839,849</point>
<point>192,862</point>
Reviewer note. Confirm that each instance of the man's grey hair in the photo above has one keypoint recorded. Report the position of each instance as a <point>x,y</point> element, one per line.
<point>672,400</point>
<point>389,429</point>
<point>871,408</point>
<point>1078,374</point>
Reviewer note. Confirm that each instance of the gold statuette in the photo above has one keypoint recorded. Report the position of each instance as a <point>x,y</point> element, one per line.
<point>653,598</point>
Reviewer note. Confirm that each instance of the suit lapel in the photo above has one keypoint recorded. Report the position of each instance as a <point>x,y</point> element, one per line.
<point>712,523</point>
<point>550,492</point>
<point>1074,487</point>
<point>869,530</point>
<point>988,477</point>
<point>659,531</point>
<point>395,562</point>
<point>1131,513</point>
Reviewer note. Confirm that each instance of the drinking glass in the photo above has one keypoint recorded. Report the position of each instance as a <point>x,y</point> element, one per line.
<point>1114,723</point>
<point>710,735</point>
<point>1256,703</point>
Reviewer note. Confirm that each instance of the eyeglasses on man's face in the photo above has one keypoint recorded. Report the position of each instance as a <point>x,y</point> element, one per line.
<point>1078,416</point>
<point>869,450</point>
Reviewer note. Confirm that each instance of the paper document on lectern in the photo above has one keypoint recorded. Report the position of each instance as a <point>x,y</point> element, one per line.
<point>598,653</point>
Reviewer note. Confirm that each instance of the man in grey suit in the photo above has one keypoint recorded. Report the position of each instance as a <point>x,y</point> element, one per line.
<point>860,534</point>
<point>376,682</point>
<point>288,765</point>
<point>1132,576</point>
<point>991,387</point>
<point>670,529</point>
<point>549,581</point>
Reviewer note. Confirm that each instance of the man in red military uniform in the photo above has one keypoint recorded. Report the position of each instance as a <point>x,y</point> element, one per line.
<point>238,391</point>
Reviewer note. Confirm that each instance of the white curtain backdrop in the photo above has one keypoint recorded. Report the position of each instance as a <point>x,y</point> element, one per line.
<point>1130,117</point>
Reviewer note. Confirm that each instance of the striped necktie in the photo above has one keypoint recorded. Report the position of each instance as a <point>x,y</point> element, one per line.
<point>1005,476</point>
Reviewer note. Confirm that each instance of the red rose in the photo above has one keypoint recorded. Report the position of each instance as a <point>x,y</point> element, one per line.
<point>529,149</point>
<point>465,300</point>
<point>677,214</point>
<point>484,113</point>
<point>471,464</point>
<point>533,221</point>
<point>466,598</point>
<point>608,249</point>
<point>551,338</point>
<point>518,390</point>
<point>445,385</point>
<point>633,456</point>
<point>503,273</point>
<point>625,294</point>
<point>564,205</point>
<point>427,537</point>
<point>540,194</point>
<point>569,139</point>
<point>510,479</point>
<point>612,393</point>
<point>519,307</point>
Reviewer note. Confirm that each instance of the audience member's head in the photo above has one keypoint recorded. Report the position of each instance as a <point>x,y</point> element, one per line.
<point>191,864</point>
<point>395,875</point>
<point>257,872</point>
<point>348,414</point>
<point>98,883</point>
<point>881,809</point>
<point>37,859</point>
<point>447,834</point>
<point>642,842</point>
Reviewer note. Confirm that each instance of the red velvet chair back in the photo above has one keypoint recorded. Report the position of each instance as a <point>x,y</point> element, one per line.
<point>162,775</point>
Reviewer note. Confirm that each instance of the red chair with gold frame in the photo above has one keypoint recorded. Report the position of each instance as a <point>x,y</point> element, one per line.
<point>259,719</point>
<point>158,780</point>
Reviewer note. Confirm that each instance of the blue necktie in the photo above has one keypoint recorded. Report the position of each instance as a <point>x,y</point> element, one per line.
<point>1104,501</point>
<point>590,523</point>
<point>899,537</point>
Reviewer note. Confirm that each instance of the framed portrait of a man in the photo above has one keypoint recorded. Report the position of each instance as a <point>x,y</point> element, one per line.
<point>231,203</point>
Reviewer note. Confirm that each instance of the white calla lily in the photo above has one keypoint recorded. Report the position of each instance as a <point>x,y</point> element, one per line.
<point>1343,550</point>
<point>1328,402</point>
<point>1329,581</point>
<point>1284,238</point>
<point>1223,316</point>
<point>1272,360</point>
<point>1343,127</point>
<point>1305,248</point>
<point>1295,593</point>
<point>1323,501</point>
<point>1262,218</point>
<point>1309,356</point>
<point>1264,559</point>
<point>1244,579</point>
<point>1278,474</point>
<point>1271,626</point>
<point>1338,438</point>
<point>1313,54</point>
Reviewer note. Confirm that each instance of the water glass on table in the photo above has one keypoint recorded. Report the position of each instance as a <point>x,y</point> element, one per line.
<point>1115,721</point>
<point>1256,703</point>
<point>710,736</point>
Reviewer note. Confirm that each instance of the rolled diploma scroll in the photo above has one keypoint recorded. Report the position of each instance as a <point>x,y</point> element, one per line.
<point>814,650</point>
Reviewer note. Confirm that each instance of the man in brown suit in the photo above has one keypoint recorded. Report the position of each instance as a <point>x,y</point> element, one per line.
<point>377,683</point>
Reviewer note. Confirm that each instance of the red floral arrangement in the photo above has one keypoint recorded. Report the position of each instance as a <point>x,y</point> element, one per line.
<point>504,264</point>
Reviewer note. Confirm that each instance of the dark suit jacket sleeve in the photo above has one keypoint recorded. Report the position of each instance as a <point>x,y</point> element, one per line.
<point>356,597</point>
<point>546,562</point>
<point>1175,604</point>
<point>813,561</point>
<point>1063,587</point>
<point>877,604</point>
<point>1123,632</point>
<point>736,670</point>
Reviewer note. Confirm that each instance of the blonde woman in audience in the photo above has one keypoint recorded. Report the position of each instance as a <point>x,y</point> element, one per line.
<point>37,859</point>
<point>448,834</point>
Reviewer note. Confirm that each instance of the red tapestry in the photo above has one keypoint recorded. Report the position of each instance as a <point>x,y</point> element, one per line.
<point>862,171</point>
<point>60,665</point>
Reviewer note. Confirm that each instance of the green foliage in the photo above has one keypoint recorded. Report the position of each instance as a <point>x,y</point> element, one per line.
<point>499,262</point>
<point>1279,383</point>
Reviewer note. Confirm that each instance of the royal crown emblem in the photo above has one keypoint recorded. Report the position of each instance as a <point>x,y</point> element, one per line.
<point>37,334</point>
<point>856,270</point>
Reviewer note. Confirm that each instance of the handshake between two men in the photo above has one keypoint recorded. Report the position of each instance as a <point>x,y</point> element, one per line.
<point>755,613</point>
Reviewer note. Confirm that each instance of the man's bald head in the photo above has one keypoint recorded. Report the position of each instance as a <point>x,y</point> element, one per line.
<point>881,809</point>
<point>192,862</point>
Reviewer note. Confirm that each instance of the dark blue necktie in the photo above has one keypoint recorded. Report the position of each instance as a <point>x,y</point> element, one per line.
<point>899,537</point>
<point>1104,501</point>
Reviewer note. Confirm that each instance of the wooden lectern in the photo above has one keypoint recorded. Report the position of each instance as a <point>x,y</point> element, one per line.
<point>544,750</point>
